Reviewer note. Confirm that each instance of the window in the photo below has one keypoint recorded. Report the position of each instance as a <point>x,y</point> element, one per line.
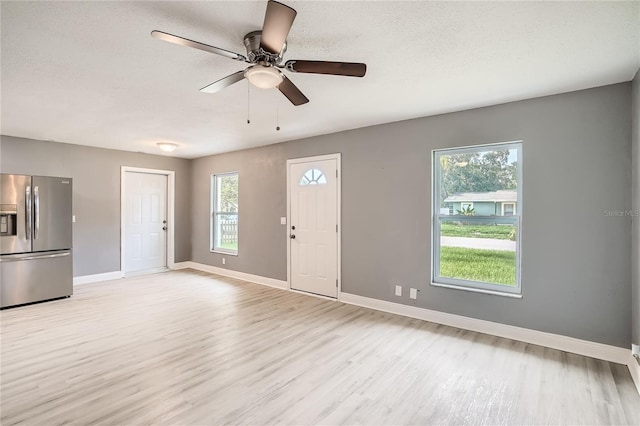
<point>466,207</point>
<point>224,213</point>
<point>508,209</point>
<point>313,177</point>
<point>478,246</point>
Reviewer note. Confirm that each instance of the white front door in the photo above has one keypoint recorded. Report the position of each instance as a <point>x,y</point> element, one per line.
<point>313,226</point>
<point>145,224</point>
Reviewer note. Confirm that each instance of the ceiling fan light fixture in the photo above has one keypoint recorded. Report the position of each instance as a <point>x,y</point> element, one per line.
<point>167,146</point>
<point>264,77</point>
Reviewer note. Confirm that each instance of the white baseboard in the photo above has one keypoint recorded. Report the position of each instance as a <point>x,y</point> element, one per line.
<point>634,368</point>
<point>549,340</point>
<point>86,279</point>
<point>181,265</point>
<point>271,282</point>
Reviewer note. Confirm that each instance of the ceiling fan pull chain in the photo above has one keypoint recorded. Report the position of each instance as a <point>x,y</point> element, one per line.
<point>248,103</point>
<point>278,115</point>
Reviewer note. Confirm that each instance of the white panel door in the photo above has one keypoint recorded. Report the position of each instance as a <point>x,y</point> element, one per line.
<point>145,221</point>
<point>313,235</point>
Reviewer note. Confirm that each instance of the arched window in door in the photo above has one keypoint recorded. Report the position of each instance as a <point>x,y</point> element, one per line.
<point>313,177</point>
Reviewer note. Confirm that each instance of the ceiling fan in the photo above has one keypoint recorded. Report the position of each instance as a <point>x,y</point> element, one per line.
<point>265,50</point>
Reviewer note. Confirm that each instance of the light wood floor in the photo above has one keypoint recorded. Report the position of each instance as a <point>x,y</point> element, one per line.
<point>191,348</point>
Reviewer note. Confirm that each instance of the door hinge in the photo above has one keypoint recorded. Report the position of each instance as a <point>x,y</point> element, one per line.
<point>336,283</point>
<point>336,228</point>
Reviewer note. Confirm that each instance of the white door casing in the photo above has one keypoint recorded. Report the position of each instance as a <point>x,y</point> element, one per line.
<point>313,225</point>
<point>147,208</point>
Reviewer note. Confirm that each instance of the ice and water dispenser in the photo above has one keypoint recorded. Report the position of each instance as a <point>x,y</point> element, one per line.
<point>8,219</point>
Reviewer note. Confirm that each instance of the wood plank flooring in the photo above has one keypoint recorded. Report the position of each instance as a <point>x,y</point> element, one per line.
<point>191,348</point>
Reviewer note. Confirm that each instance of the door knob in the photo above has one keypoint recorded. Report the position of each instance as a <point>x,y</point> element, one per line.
<point>292,236</point>
<point>164,228</point>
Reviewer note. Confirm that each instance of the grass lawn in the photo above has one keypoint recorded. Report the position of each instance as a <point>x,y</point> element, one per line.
<point>230,246</point>
<point>491,266</point>
<point>498,232</point>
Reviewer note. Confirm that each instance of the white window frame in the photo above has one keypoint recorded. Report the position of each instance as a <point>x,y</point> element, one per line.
<point>214,214</point>
<point>516,219</point>
<point>466,204</point>
<point>512,204</point>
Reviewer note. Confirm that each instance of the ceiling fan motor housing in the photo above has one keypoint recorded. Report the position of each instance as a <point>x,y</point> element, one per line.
<point>256,54</point>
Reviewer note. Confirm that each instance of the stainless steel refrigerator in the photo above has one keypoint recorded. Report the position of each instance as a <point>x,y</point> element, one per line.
<point>35,239</point>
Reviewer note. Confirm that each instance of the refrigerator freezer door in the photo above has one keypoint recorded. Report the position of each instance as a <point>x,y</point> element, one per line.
<point>34,277</point>
<point>51,213</point>
<point>14,190</point>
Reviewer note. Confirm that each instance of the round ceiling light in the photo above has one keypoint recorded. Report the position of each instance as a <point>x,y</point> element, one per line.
<point>167,146</point>
<point>264,77</point>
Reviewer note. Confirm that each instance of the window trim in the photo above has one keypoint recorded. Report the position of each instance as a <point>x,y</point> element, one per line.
<point>213,213</point>
<point>511,204</point>
<point>467,285</point>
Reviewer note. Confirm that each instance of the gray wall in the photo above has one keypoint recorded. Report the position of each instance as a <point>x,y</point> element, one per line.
<point>635,252</point>
<point>96,194</point>
<point>576,268</point>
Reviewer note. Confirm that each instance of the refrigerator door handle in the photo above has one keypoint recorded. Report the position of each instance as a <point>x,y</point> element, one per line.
<point>36,204</point>
<point>45,256</point>
<point>27,204</point>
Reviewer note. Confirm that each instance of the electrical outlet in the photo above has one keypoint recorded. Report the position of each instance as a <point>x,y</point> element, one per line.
<point>413,293</point>
<point>283,221</point>
<point>224,261</point>
<point>398,290</point>
<point>73,218</point>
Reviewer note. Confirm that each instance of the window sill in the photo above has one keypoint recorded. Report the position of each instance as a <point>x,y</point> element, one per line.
<point>228,253</point>
<point>479,290</point>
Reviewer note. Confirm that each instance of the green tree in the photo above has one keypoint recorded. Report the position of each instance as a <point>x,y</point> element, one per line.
<point>477,172</point>
<point>229,193</point>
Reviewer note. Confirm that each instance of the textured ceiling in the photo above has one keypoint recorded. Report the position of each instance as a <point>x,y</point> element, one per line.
<point>89,73</point>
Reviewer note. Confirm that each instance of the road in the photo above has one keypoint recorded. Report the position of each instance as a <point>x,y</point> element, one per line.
<point>478,243</point>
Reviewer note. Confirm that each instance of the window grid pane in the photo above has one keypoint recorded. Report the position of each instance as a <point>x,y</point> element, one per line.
<point>478,252</point>
<point>313,177</point>
<point>476,207</point>
<point>224,215</point>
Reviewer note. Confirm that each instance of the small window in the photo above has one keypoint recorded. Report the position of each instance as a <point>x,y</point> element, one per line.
<point>466,208</point>
<point>313,177</point>
<point>508,209</point>
<point>477,246</point>
<point>224,213</point>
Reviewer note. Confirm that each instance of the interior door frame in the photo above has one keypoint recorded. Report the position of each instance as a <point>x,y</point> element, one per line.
<point>171,189</point>
<point>338,158</point>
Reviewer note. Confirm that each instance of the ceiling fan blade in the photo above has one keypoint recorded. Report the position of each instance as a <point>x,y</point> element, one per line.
<point>351,69</point>
<point>277,23</point>
<point>292,92</point>
<point>223,82</point>
<point>197,45</point>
